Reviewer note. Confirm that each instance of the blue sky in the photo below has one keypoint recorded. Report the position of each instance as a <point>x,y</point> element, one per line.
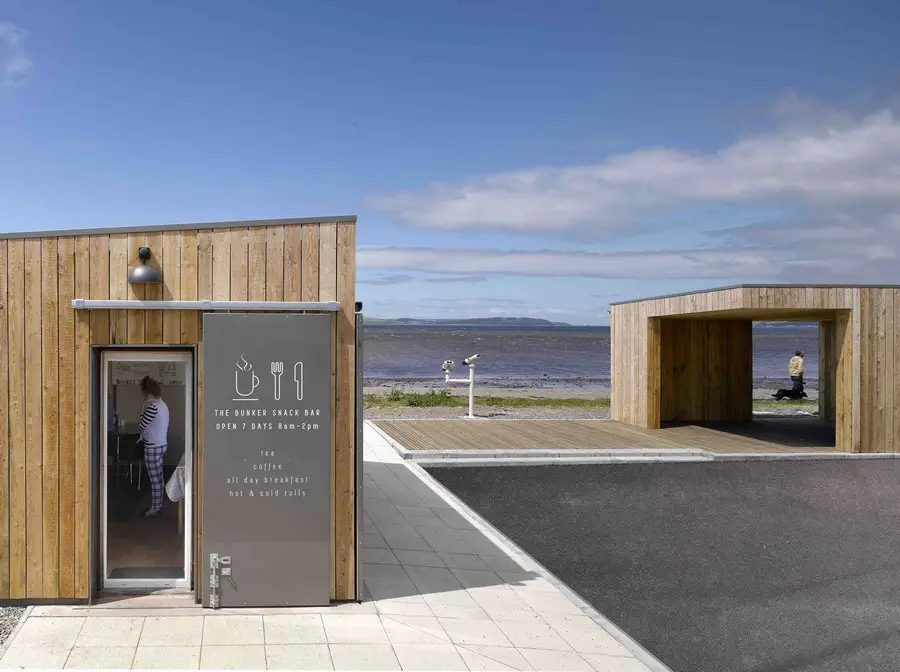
<point>505,157</point>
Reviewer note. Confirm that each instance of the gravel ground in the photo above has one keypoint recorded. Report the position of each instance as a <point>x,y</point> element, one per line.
<point>9,617</point>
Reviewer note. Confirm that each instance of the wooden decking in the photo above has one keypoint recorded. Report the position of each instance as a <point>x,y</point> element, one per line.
<point>768,435</point>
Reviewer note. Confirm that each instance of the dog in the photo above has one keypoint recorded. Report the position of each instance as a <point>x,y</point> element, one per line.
<point>793,395</point>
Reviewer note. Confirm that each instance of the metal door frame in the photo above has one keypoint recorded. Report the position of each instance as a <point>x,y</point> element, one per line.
<point>157,354</point>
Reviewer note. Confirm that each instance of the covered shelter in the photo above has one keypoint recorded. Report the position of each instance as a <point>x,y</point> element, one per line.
<point>689,357</point>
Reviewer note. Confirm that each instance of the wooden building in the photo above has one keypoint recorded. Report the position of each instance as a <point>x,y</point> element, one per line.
<point>49,503</point>
<point>689,357</point>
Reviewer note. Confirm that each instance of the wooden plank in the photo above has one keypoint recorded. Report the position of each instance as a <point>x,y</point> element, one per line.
<point>34,453</point>
<point>82,419</point>
<point>865,371</point>
<point>240,264</point>
<point>204,264</point>
<point>879,384</point>
<point>17,453</point>
<point>855,392</point>
<point>827,370</point>
<point>293,262</point>
<point>345,436</point>
<point>843,392</point>
<point>275,263</point>
<point>50,415</point>
<point>67,439</point>
<point>764,435</point>
<point>4,428</point>
<point>204,291</point>
<point>895,348</point>
<point>171,285</point>
<point>327,262</point>
<point>328,292</point>
<point>653,379</point>
<point>310,270</point>
<point>257,265</point>
<point>118,286</point>
<point>136,318</point>
<point>189,318</point>
<point>154,292</point>
<point>889,378</point>
<point>221,269</point>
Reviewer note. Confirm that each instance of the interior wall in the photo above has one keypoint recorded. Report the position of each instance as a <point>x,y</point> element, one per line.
<point>828,352</point>
<point>706,370</point>
<point>128,400</point>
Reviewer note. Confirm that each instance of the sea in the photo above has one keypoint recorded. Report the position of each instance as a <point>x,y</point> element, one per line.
<point>545,357</point>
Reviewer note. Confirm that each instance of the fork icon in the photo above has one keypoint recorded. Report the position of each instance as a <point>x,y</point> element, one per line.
<point>277,370</point>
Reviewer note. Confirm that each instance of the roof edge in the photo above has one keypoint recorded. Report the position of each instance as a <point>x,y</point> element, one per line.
<point>194,226</point>
<point>749,286</point>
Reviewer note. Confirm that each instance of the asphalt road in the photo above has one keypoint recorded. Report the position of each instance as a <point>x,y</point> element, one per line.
<point>717,567</point>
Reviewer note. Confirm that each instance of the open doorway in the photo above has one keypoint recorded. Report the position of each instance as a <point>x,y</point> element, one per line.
<point>140,551</point>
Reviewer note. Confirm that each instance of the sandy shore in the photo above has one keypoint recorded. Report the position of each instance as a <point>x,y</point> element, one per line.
<point>594,392</point>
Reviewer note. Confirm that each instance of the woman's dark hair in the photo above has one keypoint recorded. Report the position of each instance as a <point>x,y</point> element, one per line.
<point>799,353</point>
<point>150,386</point>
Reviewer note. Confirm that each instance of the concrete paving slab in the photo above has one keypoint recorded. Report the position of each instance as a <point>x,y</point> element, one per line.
<point>233,631</point>
<point>298,629</point>
<point>110,631</point>
<point>362,629</point>
<point>429,657</point>
<point>35,657</point>
<point>100,657</point>
<point>167,658</point>
<point>233,657</point>
<point>172,631</point>
<point>298,657</point>
<point>52,633</point>
<point>364,657</point>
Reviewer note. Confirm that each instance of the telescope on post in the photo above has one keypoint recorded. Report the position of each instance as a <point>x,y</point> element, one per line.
<point>447,368</point>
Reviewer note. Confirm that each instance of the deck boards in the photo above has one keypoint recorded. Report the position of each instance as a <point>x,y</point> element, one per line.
<point>769,435</point>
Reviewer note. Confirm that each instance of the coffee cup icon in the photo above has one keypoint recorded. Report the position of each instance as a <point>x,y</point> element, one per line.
<point>244,377</point>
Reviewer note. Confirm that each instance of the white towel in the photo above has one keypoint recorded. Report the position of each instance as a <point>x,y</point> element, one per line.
<point>175,486</point>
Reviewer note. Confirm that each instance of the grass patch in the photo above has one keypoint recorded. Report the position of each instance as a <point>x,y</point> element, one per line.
<point>445,398</point>
<point>399,399</point>
<point>771,403</point>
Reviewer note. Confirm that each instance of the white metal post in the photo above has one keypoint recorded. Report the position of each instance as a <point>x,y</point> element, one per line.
<point>472,390</point>
<point>470,362</point>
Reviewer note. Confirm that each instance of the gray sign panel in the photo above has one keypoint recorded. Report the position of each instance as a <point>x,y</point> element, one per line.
<point>266,460</point>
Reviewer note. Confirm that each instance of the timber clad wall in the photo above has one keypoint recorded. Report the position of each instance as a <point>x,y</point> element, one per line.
<point>45,361</point>
<point>707,366</point>
<point>688,357</point>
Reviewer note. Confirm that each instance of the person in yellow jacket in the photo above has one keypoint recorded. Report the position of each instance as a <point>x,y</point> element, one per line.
<point>795,370</point>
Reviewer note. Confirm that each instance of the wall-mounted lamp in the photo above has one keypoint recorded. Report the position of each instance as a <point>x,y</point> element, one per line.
<point>143,273</point>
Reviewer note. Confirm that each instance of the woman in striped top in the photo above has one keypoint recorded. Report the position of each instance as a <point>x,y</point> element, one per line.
<point>154,424</point>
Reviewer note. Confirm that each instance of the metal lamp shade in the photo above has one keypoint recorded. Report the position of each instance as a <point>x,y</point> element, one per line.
<point>143,274</point>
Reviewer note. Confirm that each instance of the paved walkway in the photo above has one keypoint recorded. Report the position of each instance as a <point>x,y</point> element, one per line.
<point>441,594</point>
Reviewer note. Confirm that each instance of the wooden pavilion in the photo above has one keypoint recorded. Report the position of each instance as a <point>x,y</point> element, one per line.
<point>689,357</point>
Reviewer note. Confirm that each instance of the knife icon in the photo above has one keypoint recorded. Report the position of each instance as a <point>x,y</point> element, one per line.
<point>298,378</point>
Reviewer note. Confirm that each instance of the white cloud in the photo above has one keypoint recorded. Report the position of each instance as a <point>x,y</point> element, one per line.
<point>712,263</point>
<point>14,60</point>
<point>818,159</point>
<point>793,258</point>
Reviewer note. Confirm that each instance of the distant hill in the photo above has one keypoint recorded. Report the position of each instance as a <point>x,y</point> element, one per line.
<point>469,322</point>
